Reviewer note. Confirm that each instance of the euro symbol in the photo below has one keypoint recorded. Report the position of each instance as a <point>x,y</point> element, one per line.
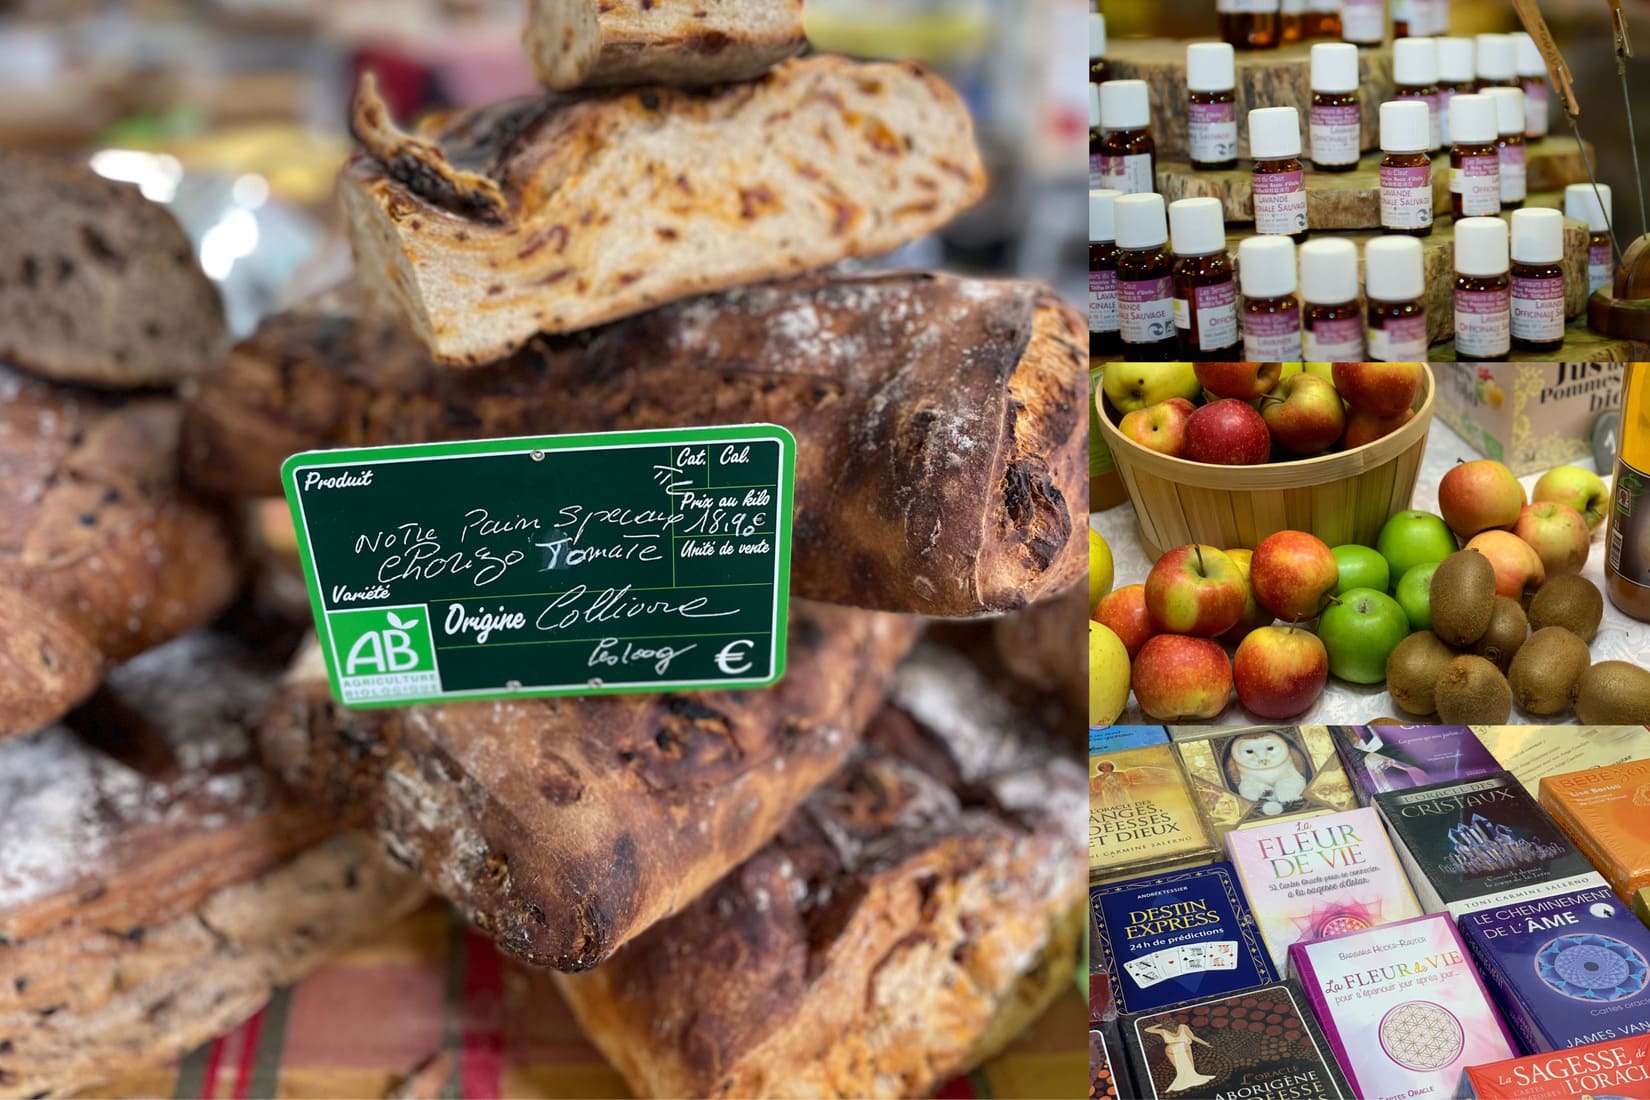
<point>734,651</point>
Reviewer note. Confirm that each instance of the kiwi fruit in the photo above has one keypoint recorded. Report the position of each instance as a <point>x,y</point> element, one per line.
<point>1463,598</point>
<point>1472,692</point>
<point>1613,693</point>
<point>1545,671</point>
<point>1569,601</point>
<point>1508,629</point>
<point>1412,671</point>
<point>1386,721</point>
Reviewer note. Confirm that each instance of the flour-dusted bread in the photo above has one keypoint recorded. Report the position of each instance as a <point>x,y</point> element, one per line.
<point>557,213</point>
<point>915,914</point>
<point>155,885</point>
<point>101,554</point>
<point>941,433</point>
<point>97,284</point>
<point>590,42</point>
<point>564,827</point>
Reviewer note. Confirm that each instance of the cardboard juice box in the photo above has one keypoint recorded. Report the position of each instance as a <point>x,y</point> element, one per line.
<point>1530,417</point>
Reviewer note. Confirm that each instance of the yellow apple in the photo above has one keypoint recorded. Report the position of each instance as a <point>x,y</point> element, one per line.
<point>1132,386</point>
<point>1100,569</point>
<point>1108,675</point>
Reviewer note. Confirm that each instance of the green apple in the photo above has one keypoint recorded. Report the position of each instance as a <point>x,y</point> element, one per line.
<point>1415,595</point>
<point>1360,629</point>
<point>1361,567</point>
<point>1132,386</point>
<point>1414,538</point>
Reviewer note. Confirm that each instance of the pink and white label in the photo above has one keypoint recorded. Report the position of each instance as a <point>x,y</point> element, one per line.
<point>1399,340</point>
<point>1601,267</point>
<point>1436,134</point>
<point>1246,7</point>
<point>1145,310</point>
<point>1535,108</point>
<point>1333,340</point>
<point>1215,310</point>
<point>1406,197</point>
<point>1537,309</point>
<point>1478,182</point>
<point>1212,129</point>
<point>1280,202</point>
<point>1335,134</point>
<point>1363,20</point>
<point>1102,301</point>
<point>1482,322</point>
<point>1096,175</point>
<point>1131,174</point>
<point>1512,172</point>
<point>1273,337</point>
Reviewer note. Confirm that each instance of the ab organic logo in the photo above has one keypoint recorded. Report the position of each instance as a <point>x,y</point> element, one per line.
<point>384,652</point>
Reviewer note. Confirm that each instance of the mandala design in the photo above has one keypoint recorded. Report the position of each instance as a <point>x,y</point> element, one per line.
<point>1421,1036</point>
<point>1586,967</point>
<point>1342,924</point>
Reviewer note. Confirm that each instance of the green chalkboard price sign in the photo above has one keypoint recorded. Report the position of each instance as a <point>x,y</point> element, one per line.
<point>558,565</point>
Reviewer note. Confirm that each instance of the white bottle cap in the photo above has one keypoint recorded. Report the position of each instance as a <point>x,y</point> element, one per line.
<point>1509,109</point>
<point>1527,59</point>
<point>1094,106</point>
<point>1392,269</point>
<point>1274,133</point>
<point>1210,67</point>
<point>1472,120</point>
<point>1102,225</point>
<point>1334,67</point>
<point>1140,222</point>
<point>1126,105</point>
<point>1415,62</point>
<point>1197,226</point>
<point>1495,57</point>
<point>1266,266</point>
<point>1537,236</point>
<point>1456,59</point>
<point>1097,35</point>
<point>1406,125</point>
<point>1481,246</point>
<point>1329,270</point>
<point>1583,205</point>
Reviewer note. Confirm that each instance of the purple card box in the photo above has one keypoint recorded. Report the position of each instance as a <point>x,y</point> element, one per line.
<point>1401,758</point>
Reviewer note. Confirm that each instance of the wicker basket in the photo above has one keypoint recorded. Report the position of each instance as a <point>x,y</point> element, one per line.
<point>1341,498</point>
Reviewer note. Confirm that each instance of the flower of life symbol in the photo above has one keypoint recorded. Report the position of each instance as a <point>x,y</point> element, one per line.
<point>1421,1036</point>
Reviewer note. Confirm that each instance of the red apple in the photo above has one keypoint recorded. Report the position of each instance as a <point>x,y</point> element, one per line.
<point>1361,428</point>
<point>1304,414</point>
<point>1280,671</point>
<point>1558,534</point>
<point>1124,611</point>
<point>1244,381</point>
<point>1480,495</point>
<point>1254,615</point>
<point>1160,427</point>
<point>1379,389</point>
<point>1178,679</point>
<point>1519,570</point>
<point>1195,590</point>
<point>1294,574</point>
<point>1227,433</point>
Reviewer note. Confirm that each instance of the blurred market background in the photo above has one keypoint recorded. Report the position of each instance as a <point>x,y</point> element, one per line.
<point>233,112</point>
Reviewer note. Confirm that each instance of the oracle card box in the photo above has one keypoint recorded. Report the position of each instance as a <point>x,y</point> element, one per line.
<point>1618,1069</point>
<point>1254,776</point>
<point>1141,811</point>
<point>1606,812</point>
<point>1379,759</point>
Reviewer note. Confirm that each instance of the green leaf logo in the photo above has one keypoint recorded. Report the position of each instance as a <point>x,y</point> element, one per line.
<point>395,621</point>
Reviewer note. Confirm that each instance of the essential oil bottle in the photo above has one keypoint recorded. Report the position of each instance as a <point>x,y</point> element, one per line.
<point>1249,24</point>
<point>1537,280</point>
<point>1211,106</point>
<point>1403,19</point>
<point>1509,143</point>
<point>1104,335</point>
<point>1406,170</point>
<point>1271,313</point>
<point>1415,70</point>
<point>1323,19</point>
<point>1531,68</point>
<point>1278,180</point>
<point>1474,159</point>
<point>1363,22</point>
<point>1097,48</point>
<point>1455,77</point>
<point>1584,204</point>
<point>1291,21</point>
<point>1496,61</point>
<point>1483,292</point>
<point>1395,286</point>
<point>1332,325</point>
<point>1128,155</point>
<point>1205,286</point>
<point>1145,278</point>
<point>1335,123</point>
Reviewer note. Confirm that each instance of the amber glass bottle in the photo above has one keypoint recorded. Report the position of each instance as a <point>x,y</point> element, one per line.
<point>1584,204</point>
<point>1532,77</point>
<point>1332,325</point>
<point>1537,280</point>
<point>1128,153</point>
<point>1271,314</point>
<point>1211,106</point>
<point>1406,170</point>
<point>1627,549</point>
<point>1395,285</point>
<point>1335,122</point>
<point>1363,22</point>
<point>1097,48</point>
<point>1323,19</point>
<point>1249,24</point>
<point>1415,72</point>
<point>1205,287</point>
<point>1456,76</point>
<point>1145,278</point>
<point>1104,335</point>
<point>1509,143</point>
<point>1483,292</point>
<point>1474,159</point>
<point>1291,21</point>
<point>1279,181</point>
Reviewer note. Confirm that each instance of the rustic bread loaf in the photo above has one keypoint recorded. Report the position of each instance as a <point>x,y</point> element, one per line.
<point>942,454</point>
<point>913,916</point>
<point>154,884</point>
<point>556,213</point>
<point>101,555</point>
<point>564,827</point>
<point>589,42</point>
<point>98,284</point>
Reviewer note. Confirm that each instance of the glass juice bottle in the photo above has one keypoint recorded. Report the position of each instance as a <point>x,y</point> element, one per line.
<point>1627,549</point>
